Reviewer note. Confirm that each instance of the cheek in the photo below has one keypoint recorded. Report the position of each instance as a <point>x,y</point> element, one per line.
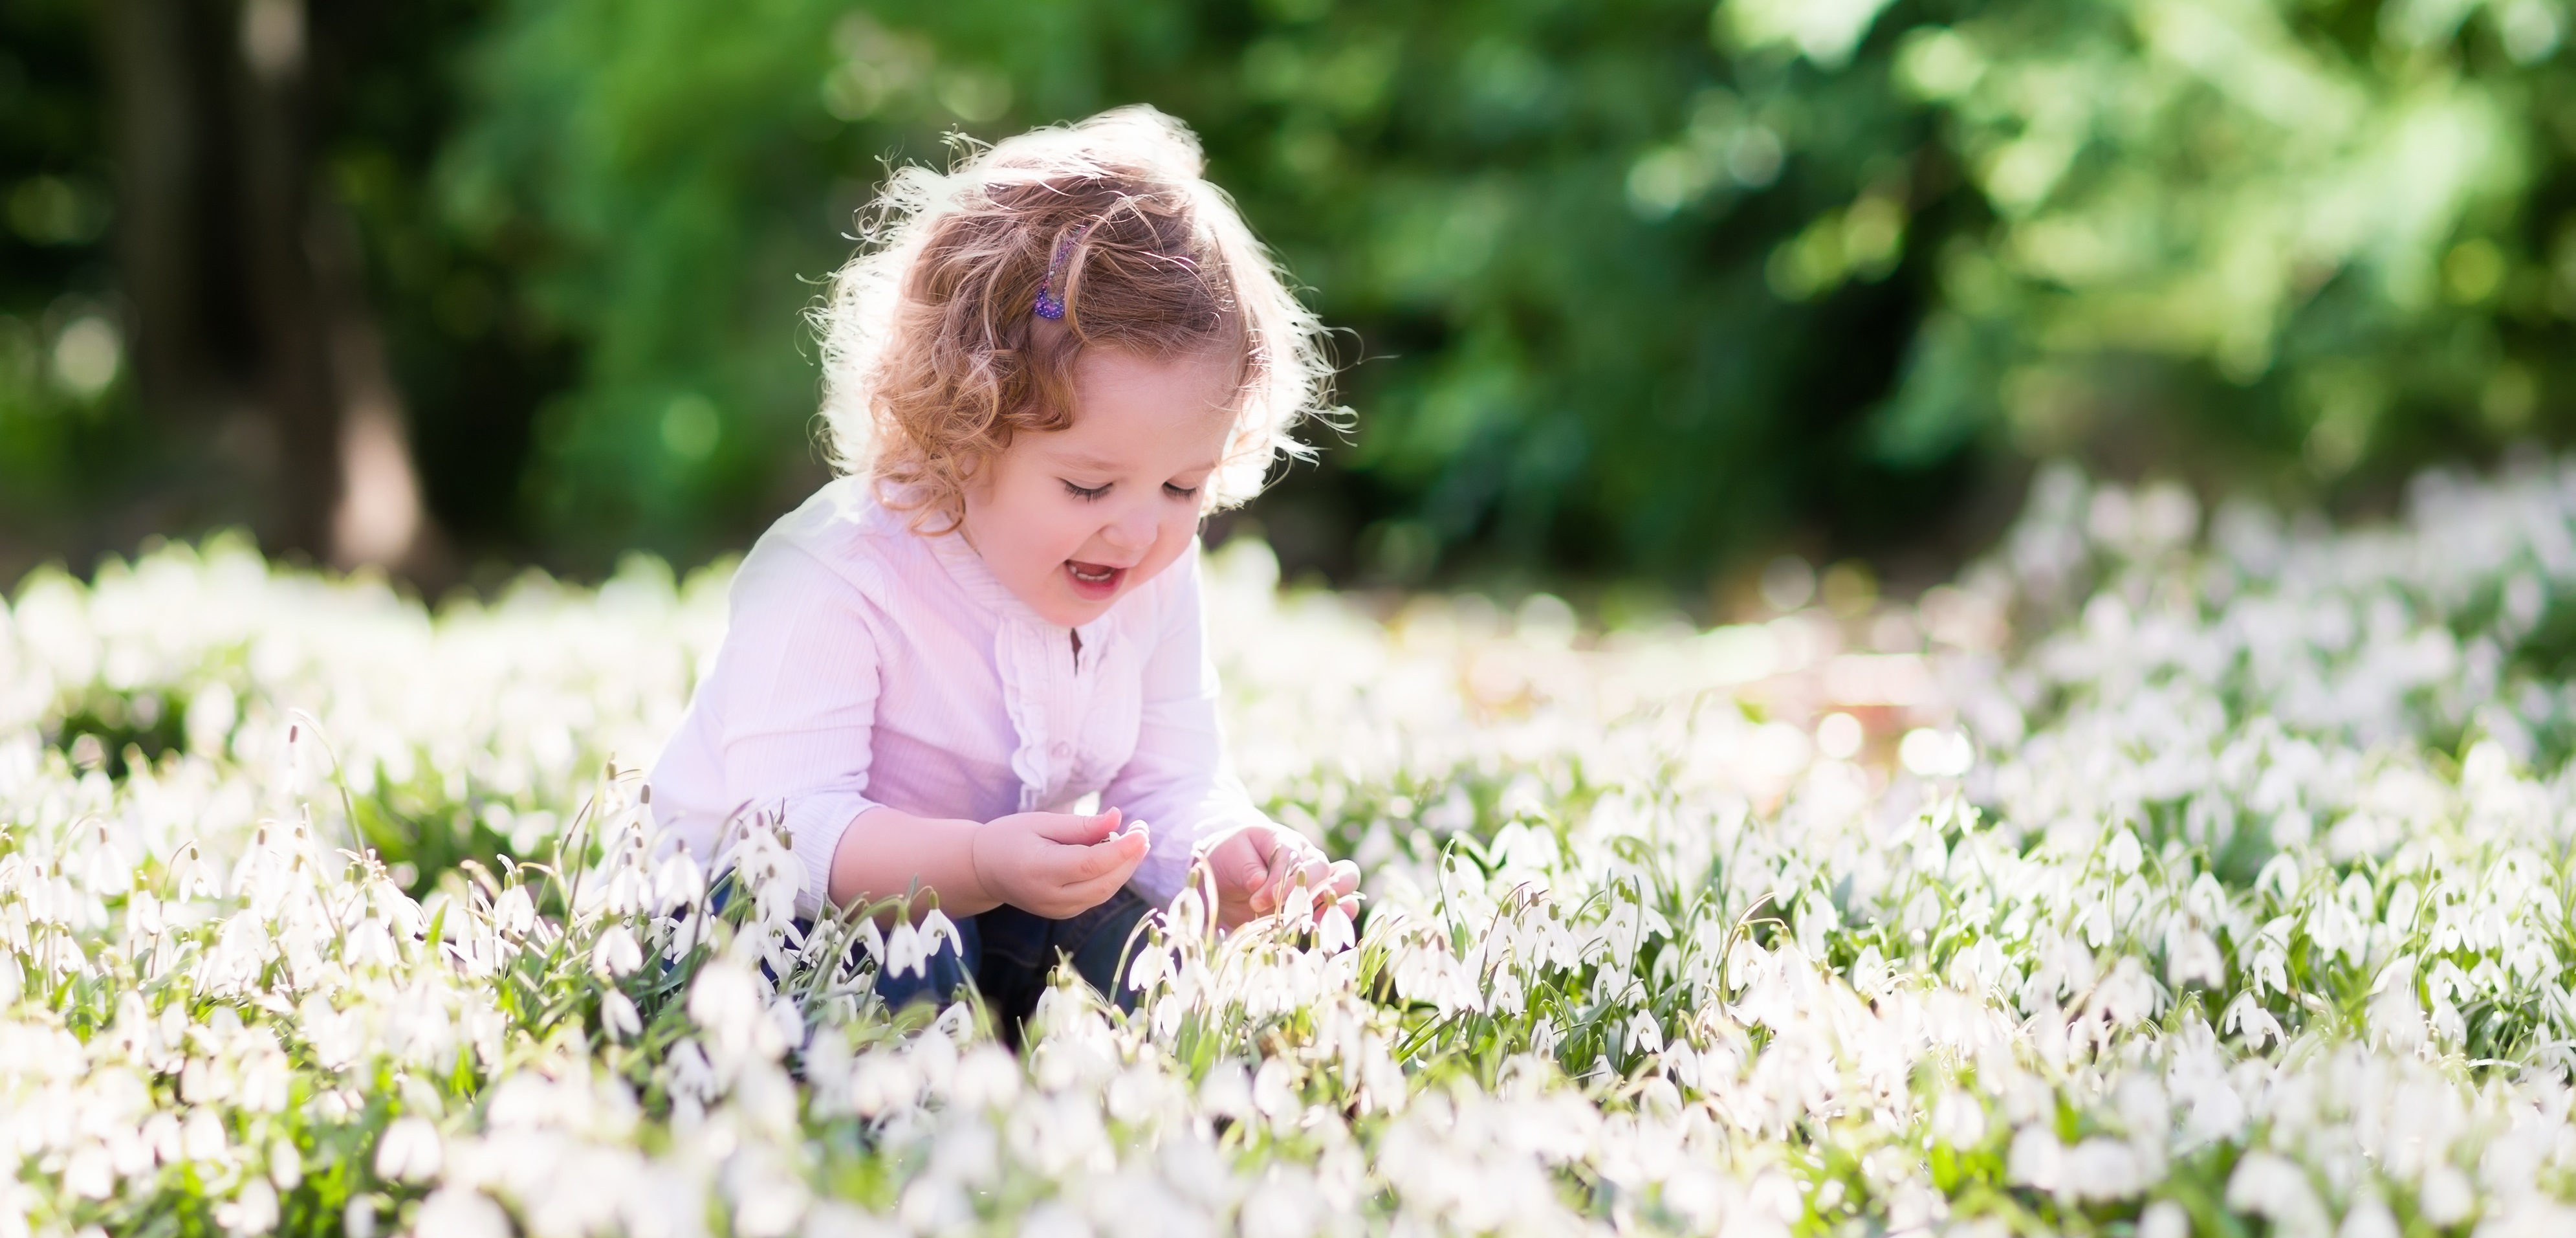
<point>1172,537</point>
<point>1016,526</point>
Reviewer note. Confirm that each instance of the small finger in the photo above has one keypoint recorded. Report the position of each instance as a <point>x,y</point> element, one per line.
<point>1076,830</point>
<point>1306,879</point>
<point>1098,889</point>
<point>1103,858</point>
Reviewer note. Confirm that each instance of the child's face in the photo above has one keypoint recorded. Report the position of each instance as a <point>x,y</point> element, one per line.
<point>1070,521</point>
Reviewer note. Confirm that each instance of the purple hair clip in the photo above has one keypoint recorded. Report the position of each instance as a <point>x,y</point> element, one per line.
<point>1051,306</point>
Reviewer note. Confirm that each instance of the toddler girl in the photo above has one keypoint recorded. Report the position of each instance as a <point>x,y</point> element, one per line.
<point>1048,365</point>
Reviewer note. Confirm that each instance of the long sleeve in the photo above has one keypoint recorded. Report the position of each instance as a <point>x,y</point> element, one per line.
<point>793,696</point>
<point>1179,780</point>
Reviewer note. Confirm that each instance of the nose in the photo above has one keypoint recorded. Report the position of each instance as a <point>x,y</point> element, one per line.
<point>1132,530</point>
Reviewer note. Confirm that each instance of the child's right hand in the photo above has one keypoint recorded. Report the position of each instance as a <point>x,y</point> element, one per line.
<point>1053,864</point>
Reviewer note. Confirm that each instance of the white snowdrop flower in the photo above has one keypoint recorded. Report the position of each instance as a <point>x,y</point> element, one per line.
<point>883,1082</point>
<point>2122,854</point>
<point>2099,1169</point>
<point>1052,1219</point>
<point>253,1210</point>
<point>2368,1218</point>
<point>1274,1090</point>
<point>616,953</point>
<point>285,1164</point>
<point>678,881</point>
<point>1644,1036</point>
<point>202,1137</point>
<point>2036,1159</point>
<point>1929,752</point>
<point>459,1212</point>
<point>1333,931</point>
<point>905,951</point>
<point>725,998</point>
<point>938,932</point>
<point>2274,1188</point>
<point>2396,1013</point>
<point>409,1151</point>
<point>514,913</point>
<point>2164,1219</point>
<point>985,1077</point>
<point>2192,955</point>
<point>618,1016</point>
<point>2447,1198</point>
<point>1226,1092</point>
<point>1959,1120</point>
<point>161,1135</point>
<point>90,1172</point>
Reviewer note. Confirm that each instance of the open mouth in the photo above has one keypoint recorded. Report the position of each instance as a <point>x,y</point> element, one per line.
<point>1094,580</point>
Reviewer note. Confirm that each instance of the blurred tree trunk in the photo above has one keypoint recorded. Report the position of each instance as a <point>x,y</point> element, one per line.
<point>253,345</point>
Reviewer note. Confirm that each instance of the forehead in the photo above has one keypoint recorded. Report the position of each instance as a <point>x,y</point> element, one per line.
<point>1128,408</point>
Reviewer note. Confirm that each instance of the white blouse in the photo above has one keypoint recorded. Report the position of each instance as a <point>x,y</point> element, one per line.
<point>866,664</point>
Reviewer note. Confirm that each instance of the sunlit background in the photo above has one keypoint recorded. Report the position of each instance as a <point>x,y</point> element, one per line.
<point>1634,297</point>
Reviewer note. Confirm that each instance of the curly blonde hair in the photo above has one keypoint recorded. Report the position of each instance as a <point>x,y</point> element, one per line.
<point>934,356</point>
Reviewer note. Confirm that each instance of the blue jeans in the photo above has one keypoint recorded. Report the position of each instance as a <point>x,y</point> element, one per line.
<point>1011,952</point>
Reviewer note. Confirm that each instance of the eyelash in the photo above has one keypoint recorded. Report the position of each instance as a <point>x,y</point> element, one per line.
<point>1089,493</point>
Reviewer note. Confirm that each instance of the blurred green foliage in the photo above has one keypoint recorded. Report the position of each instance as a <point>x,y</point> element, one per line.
<point>1635,287</point>
<point>60,354</point>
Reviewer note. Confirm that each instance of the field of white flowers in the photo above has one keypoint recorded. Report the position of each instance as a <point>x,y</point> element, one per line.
<point>2164,875</point>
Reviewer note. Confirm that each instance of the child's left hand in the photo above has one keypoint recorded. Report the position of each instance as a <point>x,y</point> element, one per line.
<point>1259,868</point>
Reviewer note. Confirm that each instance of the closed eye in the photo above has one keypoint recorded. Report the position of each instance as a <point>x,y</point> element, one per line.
<point>1180,492</point>
<point>1086,492</point>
